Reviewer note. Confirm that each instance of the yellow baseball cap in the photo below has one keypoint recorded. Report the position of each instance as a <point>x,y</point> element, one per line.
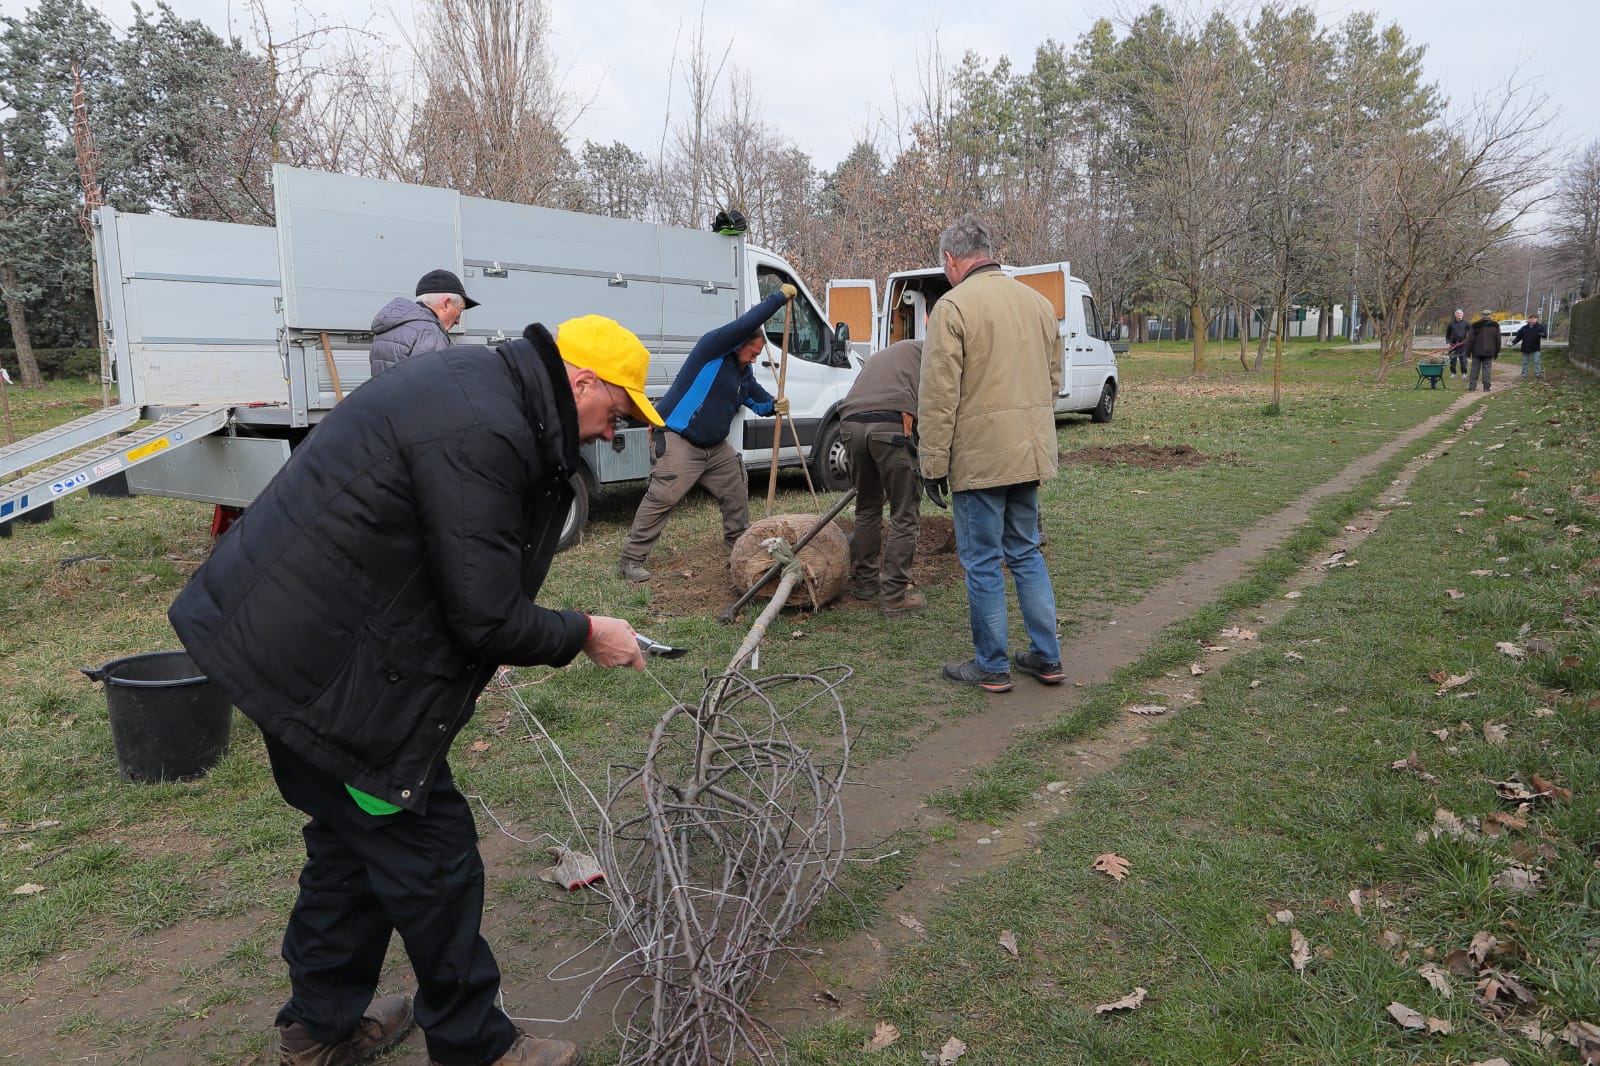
<point>600,344</point>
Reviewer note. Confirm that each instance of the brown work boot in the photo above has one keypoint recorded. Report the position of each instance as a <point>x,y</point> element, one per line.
<point>907,601</point>
<point>385,1021</point>
<point>530,1051</point>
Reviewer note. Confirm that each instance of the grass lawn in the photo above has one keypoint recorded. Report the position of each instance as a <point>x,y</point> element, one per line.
<point>1274,797</point>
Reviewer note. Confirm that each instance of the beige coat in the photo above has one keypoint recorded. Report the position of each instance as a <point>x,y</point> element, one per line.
<point>991,369</point>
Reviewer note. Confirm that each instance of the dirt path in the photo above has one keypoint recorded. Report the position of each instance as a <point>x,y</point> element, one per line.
<point>883,799</point>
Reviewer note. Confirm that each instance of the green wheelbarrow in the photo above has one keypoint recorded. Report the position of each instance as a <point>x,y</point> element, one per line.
<point>1432,373</point>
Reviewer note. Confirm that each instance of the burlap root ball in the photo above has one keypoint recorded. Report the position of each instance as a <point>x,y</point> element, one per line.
<point>825,561</point>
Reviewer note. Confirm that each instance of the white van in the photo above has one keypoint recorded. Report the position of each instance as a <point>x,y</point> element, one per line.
<point>239,339</point>
<point>1089,382</point>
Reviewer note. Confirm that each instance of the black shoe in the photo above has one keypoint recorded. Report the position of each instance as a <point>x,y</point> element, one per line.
<point>970,673</point>
<point>1037,666</point>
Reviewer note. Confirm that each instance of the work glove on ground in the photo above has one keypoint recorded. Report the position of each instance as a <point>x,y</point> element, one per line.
<point>572,870</point>
<point>936,488</point>
<point>612,643</point>
<point>780,407</point>
<point>789,291</point>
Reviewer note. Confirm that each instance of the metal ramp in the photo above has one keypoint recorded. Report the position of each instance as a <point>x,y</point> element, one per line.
<point>67,437</point>
<point>79,471</point>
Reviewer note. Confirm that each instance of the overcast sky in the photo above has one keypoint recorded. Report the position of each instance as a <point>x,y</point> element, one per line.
<point>827,72</point>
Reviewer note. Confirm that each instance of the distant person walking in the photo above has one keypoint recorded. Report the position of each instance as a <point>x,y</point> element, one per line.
<point>1483,343</point>
<point>1455,336</point>
<point>1528,337</point>
<point>404,328</point>
<point>991,370</point>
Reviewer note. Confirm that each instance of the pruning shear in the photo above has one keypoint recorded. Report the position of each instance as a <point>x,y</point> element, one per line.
<point>658,649</point>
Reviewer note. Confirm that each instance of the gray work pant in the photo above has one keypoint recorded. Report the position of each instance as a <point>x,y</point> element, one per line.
<point>882,470</point>
<point>1483,366</point>
<point>676,466</point>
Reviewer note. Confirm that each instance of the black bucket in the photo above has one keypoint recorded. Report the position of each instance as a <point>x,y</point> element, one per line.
<point>168,721</point>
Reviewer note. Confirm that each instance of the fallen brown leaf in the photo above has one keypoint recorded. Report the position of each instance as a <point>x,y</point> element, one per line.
<point>480,745</point>
<point>1510,821</point>
<point>948,1055</point>
<point>1455,594</point>
<point>1355,900</point>
<point>1435,977</point>
<point>1494,735</point>
<point>1008,940</point>
<point>1132,1001</point>
<point>1505,647</point>
<point>1405,1017</point>
<point>1517,879</point>
<point>1114,865</point>
<point>1496,984</point>
<point>883,1034</point>
<point>912,924</point>
<point>1299,950</point>
<point>1554,790</point>
<point>29,889</point>
<point>1585,1036</point>
<point>1515,791</point>
<point>1446,682</point>
<point>1482,946</point>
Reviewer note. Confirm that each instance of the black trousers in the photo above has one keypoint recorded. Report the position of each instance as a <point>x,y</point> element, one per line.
<point>367,876</point>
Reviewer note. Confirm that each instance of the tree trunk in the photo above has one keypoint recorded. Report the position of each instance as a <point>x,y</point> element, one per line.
<point>26,363</point>
<point>1243,319</point>
<point>1197,326</point>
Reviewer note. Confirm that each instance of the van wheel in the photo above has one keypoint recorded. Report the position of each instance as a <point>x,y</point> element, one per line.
<point>830,464</point>
<point>1108,404</point>
<point>578,513</point>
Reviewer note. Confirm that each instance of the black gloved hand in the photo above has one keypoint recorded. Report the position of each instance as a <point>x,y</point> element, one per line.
<point>936,487</point>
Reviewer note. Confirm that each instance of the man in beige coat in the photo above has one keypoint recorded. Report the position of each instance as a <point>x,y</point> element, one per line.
<point>991,369</point>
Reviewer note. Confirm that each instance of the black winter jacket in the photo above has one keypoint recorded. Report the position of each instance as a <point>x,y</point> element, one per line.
<point>1455,335</point>
<point>1529,336</point>
<point>362,603</point>
<point>1484,343</point>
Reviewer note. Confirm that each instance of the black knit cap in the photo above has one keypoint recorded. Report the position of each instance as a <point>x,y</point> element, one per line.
<point>444,281</point>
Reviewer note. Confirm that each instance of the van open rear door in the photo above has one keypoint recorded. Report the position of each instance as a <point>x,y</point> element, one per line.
<point>854,302</point>
<point>1050,281</point>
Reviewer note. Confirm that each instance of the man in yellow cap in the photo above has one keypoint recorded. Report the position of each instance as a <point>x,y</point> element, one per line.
<point>356,611</point>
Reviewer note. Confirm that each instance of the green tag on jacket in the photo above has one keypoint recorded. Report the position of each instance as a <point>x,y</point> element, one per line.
<point>370,803</point>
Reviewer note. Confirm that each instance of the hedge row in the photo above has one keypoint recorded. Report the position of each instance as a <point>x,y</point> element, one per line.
<point>57,362</point>
<point>1583,342</point>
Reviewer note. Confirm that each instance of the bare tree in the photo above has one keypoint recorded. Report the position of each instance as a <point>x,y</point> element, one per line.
<point>493,121</point>
<point>1577,203</point>
<point>1443,198</point>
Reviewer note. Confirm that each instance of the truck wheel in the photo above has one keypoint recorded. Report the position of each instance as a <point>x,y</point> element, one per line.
<point>578,513</point>
<point>1108,403</point>
<point>830,465</point>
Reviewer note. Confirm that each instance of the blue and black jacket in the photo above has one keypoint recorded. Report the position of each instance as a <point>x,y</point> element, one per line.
<point>707,392</point>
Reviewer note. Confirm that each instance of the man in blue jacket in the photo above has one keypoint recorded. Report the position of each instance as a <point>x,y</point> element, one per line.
<point>692,446</point>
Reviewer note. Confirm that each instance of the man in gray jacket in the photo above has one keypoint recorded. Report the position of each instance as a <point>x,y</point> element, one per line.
<point>404,328</point>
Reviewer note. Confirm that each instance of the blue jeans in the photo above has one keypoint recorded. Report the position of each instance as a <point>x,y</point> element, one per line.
<point>995,526</point>
<point>1538,364</point>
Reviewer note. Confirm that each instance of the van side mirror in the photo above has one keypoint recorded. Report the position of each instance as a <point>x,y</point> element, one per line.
<point>840,354</point>
<point>841,335</point>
